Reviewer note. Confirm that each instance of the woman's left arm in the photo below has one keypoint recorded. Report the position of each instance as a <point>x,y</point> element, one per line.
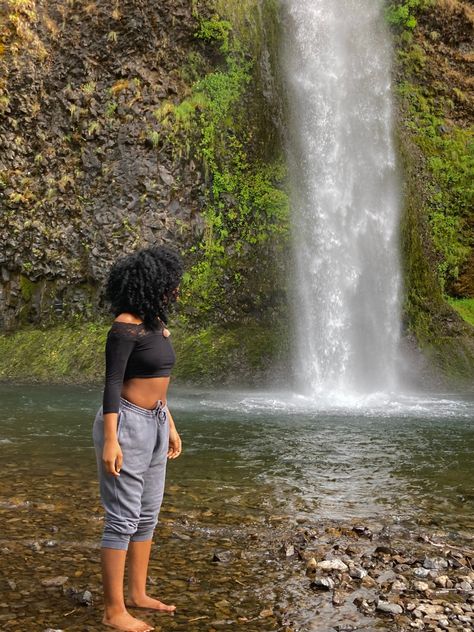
<point>175,445</point>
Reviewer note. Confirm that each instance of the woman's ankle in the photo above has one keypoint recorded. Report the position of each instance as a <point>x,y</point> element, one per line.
<point>112,610</point>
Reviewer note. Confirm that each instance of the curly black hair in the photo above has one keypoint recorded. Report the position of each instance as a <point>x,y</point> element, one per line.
<point>144,283</point>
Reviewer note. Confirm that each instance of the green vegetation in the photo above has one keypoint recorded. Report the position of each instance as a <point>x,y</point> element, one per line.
<point>449,153</point>
<point>436,154</point>
<point>401,14</point>
<point>74,352</point>
<point>71,351</point>
<point>215,30</point>
<point>465,307</point>
<point>246,210</point>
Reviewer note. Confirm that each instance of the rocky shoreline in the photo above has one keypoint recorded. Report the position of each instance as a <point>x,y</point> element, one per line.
<point>269,573</point>
<point>391,578</point>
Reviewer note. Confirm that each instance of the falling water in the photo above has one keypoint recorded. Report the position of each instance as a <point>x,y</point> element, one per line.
<point>336,65</point>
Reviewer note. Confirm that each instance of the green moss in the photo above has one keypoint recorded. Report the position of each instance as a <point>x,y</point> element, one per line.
<point>428,315</point>
<point>215,30</point>
<point>449,153</point>
<point>401,14</point>
<point>436,156</point>
<point>464,307</point>
<point>64,352</point>
<point>75,352</point>
<point>245,207</point>
<point>27,288</point>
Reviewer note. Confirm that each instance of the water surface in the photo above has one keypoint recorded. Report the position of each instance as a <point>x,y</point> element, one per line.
<point>251,462</point>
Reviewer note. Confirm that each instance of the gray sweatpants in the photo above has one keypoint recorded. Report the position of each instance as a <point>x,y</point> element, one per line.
<point>132,500</point>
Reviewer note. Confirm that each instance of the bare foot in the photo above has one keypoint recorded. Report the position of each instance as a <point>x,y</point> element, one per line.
<point>149,602</point>
<point>126,623</point>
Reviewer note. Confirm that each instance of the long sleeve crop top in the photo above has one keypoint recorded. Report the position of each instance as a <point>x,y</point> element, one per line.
<point>133,351</point>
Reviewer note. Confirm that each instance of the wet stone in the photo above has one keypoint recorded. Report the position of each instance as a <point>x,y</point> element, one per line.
<point>288,550</point>
<point>388,606</point>
<point>436,563</point>
<point>54,582</point>
<point>222,556</point>
<point>323,583</point>
<point>421,586</point>
<point>332,565</point>
<point>81,597</point>
<point>421,572</point>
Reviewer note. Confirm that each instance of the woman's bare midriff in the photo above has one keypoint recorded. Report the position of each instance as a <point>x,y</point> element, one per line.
<point>145,391</point>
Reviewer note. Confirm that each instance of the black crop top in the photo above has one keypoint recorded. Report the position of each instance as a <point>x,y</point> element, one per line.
<point>133,351</point>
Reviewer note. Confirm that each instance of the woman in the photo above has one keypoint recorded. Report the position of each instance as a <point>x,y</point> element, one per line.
<point>134,432</point>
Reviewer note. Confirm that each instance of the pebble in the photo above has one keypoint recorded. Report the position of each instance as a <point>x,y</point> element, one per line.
<point>398,585</point>
<point>421,572</point>
<point>333,565</point>
<point>464,586</point>
<point>436,563</point>
<point>326,583</point>
<point>222,555</point>
<point>54,582</point>
<point>388,606</point>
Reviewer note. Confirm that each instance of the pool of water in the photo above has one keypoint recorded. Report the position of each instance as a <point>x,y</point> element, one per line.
<point>250,461</point>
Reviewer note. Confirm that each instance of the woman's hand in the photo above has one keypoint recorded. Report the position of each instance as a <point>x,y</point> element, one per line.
<point>175,445</point>
<point>112,457</point>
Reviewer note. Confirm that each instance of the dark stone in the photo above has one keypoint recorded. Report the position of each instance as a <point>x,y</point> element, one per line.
<point>222,555</point>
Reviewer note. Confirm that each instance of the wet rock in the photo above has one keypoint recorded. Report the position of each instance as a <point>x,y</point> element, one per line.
<point>430,609</point>
<point>81,597</point>
<point>356,572</point>
<point>464,586</point>
<point>35,546</point>
<point>54,582</point>
<point>332,565</point>
<point>383,550</point>
<point>442,580</point>
<point>287,550</point>
<point>398,585</point>
<point>323,583</point>
<point>311,566</point>
<point>368,582</point>
<point>222,556</point>
<point>436,563</point>
<point>362,530</point>
<point>388,606</point>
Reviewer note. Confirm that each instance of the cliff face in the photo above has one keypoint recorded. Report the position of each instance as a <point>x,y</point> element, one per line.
<point>81,180</point>
<point>129,124</point>
<point>126,124</point>
<point>435,115</point>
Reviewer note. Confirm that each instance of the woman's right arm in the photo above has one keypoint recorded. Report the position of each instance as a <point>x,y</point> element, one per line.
<point>112,457</point>
<point>120,343</point>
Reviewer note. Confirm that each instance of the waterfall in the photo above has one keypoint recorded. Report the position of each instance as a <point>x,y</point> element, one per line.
<point>335,58</point>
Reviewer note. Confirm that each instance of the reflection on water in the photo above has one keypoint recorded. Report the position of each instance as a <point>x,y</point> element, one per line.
<point>411,456</point>
<point>250,462</point>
